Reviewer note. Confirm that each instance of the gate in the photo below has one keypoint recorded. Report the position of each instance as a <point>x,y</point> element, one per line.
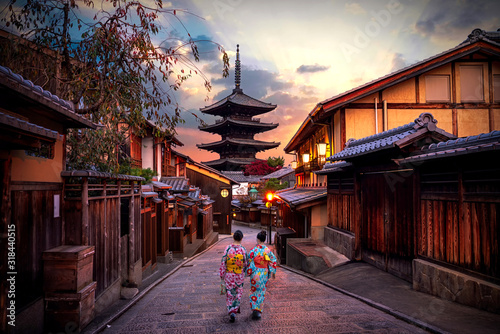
<point>387,222</point>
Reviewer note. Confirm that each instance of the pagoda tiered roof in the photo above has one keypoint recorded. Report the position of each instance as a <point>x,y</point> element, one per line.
<point>241,144</point>
<point>238,102</point>
<point>237,127</point>
<point>222,126</point>
<point>229,163</point>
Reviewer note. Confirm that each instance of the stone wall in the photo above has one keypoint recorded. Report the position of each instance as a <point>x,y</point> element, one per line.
<point>455,286</point>
<point>339,241</point>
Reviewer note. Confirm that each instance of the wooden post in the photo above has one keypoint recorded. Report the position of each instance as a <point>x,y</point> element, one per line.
<point>5,219</point>
<point>85,212</point>
<point>119,193</point>
<point>131,236</point>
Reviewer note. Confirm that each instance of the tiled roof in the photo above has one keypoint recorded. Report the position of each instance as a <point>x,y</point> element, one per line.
<point>330,167</point>
<point>100,175</point>
<point>374,143</point>
<point>279,173</point>
<point>210,169</point>
<point>239,141</point>
<point>25,126</point>
<point>17,83</point>
<point>179,184</point>
<point>478,34</point>
<point>465,145</point>
<point>297,196</point>
<point>228,122</point>
<point>161,185</point>
<point>239,98</point>
<point>389,139</point>
<point>240,177</point>
<point>235,161</point>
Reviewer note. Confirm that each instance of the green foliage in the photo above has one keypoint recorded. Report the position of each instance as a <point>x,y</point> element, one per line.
<point>273,185</point>
<point>109,64</point>
<point>276,161</point>
<point>146,173</point>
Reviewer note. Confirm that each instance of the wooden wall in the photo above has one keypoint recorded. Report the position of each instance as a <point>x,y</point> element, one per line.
<point>295,220</point>
<point>212,187</point>
<point>340,201</point>
<point>36,231</point>
<point>104,228</point>
<point>460,216</point>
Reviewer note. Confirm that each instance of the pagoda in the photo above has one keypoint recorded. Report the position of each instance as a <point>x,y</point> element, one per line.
<point>237,127</point>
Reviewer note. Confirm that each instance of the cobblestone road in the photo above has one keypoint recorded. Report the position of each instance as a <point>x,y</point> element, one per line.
<point>189,302</point>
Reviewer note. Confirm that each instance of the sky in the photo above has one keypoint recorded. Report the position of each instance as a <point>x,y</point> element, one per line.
<point>297,53</point>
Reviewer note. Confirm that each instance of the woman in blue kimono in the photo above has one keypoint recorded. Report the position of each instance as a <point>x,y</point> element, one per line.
<point>232,272</point>
<point>261,266</point>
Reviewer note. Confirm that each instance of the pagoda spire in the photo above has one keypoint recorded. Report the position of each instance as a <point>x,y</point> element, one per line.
<point>237,70</point>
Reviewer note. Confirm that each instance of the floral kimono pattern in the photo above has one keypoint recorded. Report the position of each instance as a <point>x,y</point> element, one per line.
<point>261,264</point>
<point>232,272</point>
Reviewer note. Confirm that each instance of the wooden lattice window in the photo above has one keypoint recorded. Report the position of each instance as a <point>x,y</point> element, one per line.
<point>45,151</point>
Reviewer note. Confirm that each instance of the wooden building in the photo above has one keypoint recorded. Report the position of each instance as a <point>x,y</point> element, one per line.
<point>460,87</point>
<point>237,128</point>
<point>217,186</point>
<point>146,150</point>
<point>422,205</point>
<point>33,125</point>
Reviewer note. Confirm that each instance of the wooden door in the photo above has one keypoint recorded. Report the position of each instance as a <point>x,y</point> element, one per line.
<point>387,222</point>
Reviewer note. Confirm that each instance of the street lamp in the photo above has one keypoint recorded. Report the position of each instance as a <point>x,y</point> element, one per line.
<point>253,193</point>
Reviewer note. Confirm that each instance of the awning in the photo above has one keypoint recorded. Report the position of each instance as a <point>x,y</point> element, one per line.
<point>303,196</point>
<point>148,194</point>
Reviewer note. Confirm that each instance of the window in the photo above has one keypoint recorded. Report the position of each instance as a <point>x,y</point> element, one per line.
<point>471,83</point>
<point>46,151</point>
<point>496,87</point>
<point>437,88</point>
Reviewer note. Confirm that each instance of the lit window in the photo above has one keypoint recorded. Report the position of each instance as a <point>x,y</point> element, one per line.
<point>471,83</point>
<point>437,88</point>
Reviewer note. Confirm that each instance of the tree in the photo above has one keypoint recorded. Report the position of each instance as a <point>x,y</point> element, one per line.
<point>110,67</point>
<point>260,167</point>
<point>273,185</point>
<point>275,161</point>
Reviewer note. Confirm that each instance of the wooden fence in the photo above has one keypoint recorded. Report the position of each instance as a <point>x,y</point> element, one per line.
<point>104,211</point>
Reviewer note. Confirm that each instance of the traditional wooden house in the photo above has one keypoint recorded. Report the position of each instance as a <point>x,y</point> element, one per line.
<point>422,205</point>
<point>459,86</point>
<point>33,124</point>
<point>237,128</point>
<point>149,151</point>
<point>217,186</point>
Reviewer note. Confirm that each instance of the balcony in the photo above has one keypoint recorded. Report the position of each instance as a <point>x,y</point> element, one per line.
<point>311,166</point>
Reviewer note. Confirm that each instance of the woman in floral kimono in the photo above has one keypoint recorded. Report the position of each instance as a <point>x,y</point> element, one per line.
<point>232,272</point>
<point>261,266</point>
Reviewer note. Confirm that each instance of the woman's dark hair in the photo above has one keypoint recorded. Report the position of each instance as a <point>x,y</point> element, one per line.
<point>238,235</point>
<point>262,236</point>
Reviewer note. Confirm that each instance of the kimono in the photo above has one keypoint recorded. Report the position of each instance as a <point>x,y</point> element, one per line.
<point>232,271</point>
<point>261,264</point>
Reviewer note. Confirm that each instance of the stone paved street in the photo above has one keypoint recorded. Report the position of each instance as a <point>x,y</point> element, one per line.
<point>188,301</point>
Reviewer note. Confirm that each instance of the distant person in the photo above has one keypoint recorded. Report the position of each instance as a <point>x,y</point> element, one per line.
<point>232,272</point>
<point>261,266</point>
